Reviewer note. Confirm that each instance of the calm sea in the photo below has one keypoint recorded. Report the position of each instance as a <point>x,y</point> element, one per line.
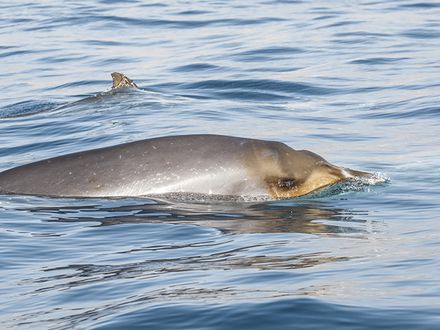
<point>357,82</point>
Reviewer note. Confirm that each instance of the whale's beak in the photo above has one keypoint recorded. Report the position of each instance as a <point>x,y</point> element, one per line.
<point>357,174</point>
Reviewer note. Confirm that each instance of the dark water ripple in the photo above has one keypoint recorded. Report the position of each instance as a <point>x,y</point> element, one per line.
<point>26,108</point>
<point>357,83</point>
<point>197,67</point>
<point>108,21</point>
<point>378,60</point>
<point>304,313</point>
<point>423,113</point>
<point>421,5</point>
<point>264,85</point>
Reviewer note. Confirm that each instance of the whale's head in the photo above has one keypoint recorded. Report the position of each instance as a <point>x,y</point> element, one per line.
<point>290,173</point>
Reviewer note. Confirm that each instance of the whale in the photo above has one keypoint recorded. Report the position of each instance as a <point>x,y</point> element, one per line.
<point>203,164</point>
<point>120,80</point>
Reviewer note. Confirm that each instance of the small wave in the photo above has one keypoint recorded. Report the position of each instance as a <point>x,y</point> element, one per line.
<point>304,313</point>
<point>420,5</point>
<point>196,67</point>
<point>263,85</point>
<point>273,50</point>
<point>428,113</point>
<point>378,60</point>
<point>79,83</point>
<point>267,54</point>
<point>193,12</point>
<point>26,108</point>
<point>422,34</point>
<point>110,21</point>
<point>15,53</point>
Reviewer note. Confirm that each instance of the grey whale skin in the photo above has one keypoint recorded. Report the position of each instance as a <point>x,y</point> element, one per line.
<point>200,164</point>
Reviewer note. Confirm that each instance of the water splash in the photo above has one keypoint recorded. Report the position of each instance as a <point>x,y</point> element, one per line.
<point>355,184</point>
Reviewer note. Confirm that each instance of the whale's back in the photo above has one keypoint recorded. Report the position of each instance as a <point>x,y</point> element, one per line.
<point>209,164</point>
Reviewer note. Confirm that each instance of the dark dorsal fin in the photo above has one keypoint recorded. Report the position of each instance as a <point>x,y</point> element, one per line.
<point>120,80</point>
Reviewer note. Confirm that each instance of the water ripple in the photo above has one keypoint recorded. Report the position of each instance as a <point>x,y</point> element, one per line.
<point>422,34</point>
<point>262,85</point>
<point>421,113</point>
<point>197,67</point>
<point>301,311</point>
<point>109,21</point>
<point>26,108</point>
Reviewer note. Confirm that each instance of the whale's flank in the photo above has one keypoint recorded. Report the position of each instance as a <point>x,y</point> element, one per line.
<point>201,164</point>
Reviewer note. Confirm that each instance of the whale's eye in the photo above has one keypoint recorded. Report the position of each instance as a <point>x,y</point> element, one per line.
<point>287,183</point>
<point>282,184</point>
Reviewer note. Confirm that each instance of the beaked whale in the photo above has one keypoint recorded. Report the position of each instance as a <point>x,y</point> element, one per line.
<point>199,164</point>
<point>189,164</point>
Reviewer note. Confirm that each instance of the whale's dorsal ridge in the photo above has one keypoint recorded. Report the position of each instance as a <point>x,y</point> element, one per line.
<point>120,80</point>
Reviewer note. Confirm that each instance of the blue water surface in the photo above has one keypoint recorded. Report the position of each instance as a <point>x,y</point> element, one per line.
<point>357,82</point>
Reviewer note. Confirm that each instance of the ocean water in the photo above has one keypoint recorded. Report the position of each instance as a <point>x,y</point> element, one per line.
<point>357,82</point>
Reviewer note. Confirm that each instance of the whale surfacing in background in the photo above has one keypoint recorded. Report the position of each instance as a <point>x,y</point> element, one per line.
<point>198,164</point>
<point>120,81</point>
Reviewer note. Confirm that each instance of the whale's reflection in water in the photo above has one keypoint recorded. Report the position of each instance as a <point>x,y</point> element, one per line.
<point>288,240</point>
<point>305,216</point>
